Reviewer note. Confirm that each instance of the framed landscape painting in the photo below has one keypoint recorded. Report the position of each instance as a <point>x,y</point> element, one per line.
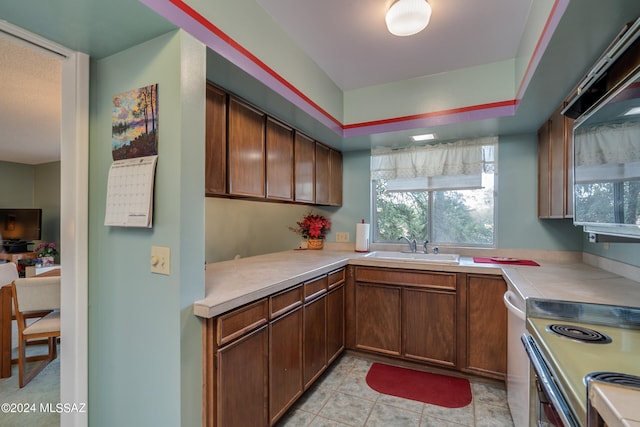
<point>134,123</point>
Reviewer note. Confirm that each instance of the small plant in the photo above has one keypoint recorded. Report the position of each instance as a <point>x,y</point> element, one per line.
<point>47,249</point>
<point>312,226</point>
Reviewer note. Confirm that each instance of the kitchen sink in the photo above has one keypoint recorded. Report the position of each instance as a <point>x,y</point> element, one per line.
<point>416,257</point>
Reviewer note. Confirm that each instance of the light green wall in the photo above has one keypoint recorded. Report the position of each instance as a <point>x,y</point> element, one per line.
<point>34,186</point>
<point>269,42</point>
<point>235,81</point>
<point>478,85</point>
<point>537,19</point>
<point>517,215</point>
<point>47,197</point>
<point>145,349</point>
<point>628,253</point>
<point>18,181</point>
<point>247,228</point>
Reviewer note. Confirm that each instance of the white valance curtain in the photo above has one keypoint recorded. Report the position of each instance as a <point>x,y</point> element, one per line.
<point>447,166</point>
<point>607,152</point>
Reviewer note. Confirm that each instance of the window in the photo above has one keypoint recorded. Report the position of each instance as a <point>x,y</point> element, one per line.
<point>443,193</point>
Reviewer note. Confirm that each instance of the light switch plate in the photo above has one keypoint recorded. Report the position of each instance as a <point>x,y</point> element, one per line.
<point>161,260</point>
<point>342,236</point>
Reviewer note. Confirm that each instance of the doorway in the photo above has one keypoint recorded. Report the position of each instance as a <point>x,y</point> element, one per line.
<point>74,147</point>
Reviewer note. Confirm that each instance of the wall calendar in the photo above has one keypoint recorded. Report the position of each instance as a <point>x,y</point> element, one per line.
<point>134,148</point>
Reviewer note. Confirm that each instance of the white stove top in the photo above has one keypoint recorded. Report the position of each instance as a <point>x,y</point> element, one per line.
<point>571,360</point>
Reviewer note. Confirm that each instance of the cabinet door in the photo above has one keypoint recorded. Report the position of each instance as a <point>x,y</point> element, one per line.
<point>555,163</point>
<point>335,191</point>
<point>323,174</point>
<point>378,318</point>
<point>429,326</point>
<point>486,326</point>
<point>279,169</point>
<point>285,363</point>
<point>246,150</point>
<point>544,171</point>
<point>315,339</point>
<point>304,168</point>
<point>216,142</point>
<point>242,381</point>
<point>335,322</point>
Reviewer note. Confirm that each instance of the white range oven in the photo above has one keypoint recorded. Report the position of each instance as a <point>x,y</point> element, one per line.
<point>569,345</point>
<point>518,372</point>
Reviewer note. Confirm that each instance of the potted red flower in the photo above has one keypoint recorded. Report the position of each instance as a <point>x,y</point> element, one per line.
<point>314,228</point>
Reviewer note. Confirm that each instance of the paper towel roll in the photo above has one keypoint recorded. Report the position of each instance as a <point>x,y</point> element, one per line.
<point>362,237</point>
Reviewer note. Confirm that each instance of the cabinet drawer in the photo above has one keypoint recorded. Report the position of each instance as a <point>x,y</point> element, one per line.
<point>285,301</point>
<point>336,278</point>
<point>438,280</point>
<point>241,321</point>
<point>315,288</point>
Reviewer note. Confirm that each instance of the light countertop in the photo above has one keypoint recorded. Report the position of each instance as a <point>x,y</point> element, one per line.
<point>618,406</point>
<point>230,284</point>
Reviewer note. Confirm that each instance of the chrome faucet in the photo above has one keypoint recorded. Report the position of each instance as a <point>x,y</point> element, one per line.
<point>424,246</point>
<point>413,244</point>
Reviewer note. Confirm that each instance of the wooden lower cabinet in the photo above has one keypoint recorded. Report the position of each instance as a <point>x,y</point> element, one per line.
<point>335,322</point>
<point>259,358</point>
<point>378,318</point>
<point>315,339</point>
<point>486,326</point>
<point>242,381</point>
<point>451,320</point>
<point>429,326</point>
<point>285,363</point>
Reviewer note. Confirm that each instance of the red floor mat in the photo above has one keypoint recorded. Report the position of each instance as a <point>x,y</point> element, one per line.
<point>424,387</point>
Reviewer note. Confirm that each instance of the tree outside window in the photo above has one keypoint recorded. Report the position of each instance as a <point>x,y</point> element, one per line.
<point>442,215</point>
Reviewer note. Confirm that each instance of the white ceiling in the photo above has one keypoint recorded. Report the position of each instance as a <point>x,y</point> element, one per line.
<point>350,42</point>
<point>30,103</point>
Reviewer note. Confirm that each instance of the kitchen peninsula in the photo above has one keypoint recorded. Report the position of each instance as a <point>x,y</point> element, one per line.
<point>247,298</point>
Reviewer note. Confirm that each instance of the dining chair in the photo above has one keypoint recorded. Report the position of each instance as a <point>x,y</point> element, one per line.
<point>31,295</point>
<point>8,273</point>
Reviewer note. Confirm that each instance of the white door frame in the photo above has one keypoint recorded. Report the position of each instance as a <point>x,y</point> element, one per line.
<point>74,220</point>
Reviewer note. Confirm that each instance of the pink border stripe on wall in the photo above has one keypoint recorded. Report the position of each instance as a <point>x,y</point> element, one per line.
<point>437,118</point>
<point>559,6</point>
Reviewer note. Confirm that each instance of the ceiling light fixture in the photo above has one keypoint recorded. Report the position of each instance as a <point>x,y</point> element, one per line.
<point>424,137</point>
<point>632,111</point>
<point>408,17</point>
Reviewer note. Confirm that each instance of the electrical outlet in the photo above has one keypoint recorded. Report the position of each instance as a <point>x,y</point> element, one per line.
<point>342,236</point>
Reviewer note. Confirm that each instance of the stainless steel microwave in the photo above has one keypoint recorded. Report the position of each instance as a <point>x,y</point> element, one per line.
<point>607,163</point>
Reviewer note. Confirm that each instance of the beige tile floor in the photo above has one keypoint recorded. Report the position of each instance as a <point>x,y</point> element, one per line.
<point>341,398</point>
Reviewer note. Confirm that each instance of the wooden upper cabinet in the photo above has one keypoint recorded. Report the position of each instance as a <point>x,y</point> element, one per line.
<point>323,172</point>
<point>250,154</point>
<point>216,142</point>
<point>246,150</point>
<point>304,168</point>
<point>555,164</point>
<point>335,178</point>
<point>279,169</point>
<point>328,176</point>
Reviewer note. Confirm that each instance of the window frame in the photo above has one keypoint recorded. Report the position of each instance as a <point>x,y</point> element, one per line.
<point>430,198</point>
